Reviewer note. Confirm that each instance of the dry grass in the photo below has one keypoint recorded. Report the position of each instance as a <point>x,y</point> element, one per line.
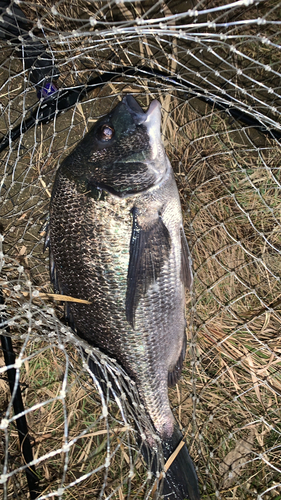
<point>75,419</point>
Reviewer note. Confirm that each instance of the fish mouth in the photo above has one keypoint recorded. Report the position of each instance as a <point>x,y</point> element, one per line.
<point>134,109</point>
<point>151,119</point>
<point>153,114</point>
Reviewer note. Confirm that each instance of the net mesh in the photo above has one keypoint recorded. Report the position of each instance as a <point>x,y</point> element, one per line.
<point>215,68</point>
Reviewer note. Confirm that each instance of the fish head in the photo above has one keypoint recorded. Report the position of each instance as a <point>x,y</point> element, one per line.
<point>144,128</point>
<point>123,153</point>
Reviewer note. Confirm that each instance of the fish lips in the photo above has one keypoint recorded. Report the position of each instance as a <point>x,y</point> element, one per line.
<point>151,119</point>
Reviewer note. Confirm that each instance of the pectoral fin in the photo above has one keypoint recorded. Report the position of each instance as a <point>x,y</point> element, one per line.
<point>149,248</point>
<point>186,267</point>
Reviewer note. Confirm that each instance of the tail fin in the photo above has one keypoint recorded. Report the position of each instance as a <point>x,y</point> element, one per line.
<point>180,481</point>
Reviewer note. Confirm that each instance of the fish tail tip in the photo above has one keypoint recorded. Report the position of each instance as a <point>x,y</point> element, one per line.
<point>181,480</point>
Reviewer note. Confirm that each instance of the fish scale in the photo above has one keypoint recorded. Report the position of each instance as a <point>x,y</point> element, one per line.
<point>116,239</point>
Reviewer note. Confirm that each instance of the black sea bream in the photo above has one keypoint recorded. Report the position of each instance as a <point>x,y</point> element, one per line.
<point>116,239</point>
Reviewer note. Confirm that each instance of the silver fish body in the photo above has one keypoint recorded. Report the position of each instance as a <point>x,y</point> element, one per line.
<point>116,239</point>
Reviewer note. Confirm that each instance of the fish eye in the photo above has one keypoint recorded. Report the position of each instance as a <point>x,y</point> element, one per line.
<point>106,133</point>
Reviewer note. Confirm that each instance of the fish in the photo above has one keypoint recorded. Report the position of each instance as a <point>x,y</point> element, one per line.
<point>116,239</point>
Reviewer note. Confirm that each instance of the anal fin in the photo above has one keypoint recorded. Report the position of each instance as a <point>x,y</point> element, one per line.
<point>186,267</point>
